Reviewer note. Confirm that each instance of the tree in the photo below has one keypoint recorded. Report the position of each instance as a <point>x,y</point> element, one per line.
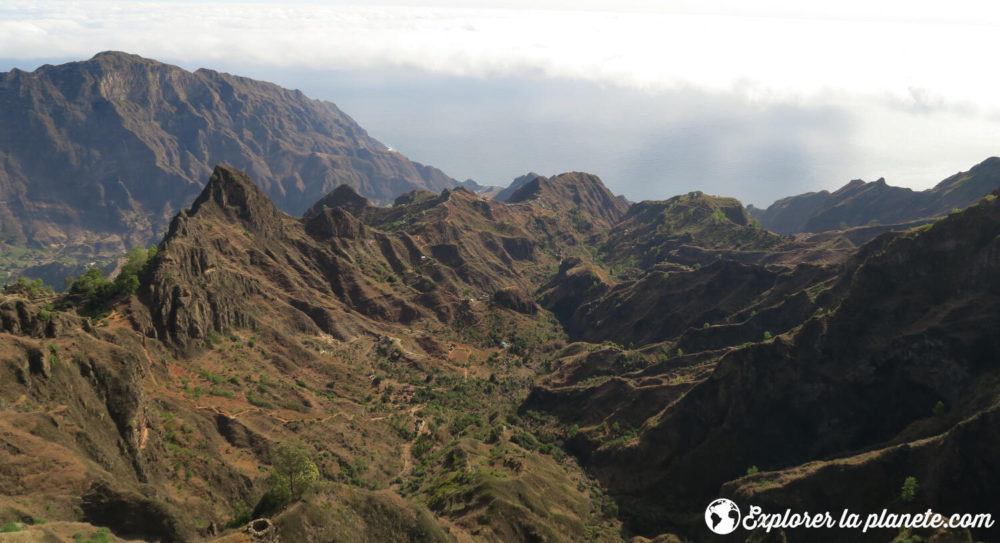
<point>96,294</point>
<point>136,260</point>
<point>293,471</point>
<point>92,284</point>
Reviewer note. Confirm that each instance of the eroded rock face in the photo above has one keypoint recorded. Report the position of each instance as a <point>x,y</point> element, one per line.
<point>865,375</point>
<point>252,327</point>
<point>234,246</point>
<point>129,514</point>
<point>580,195</point>
<point>193,292</point>
<point>516,299</point>
<point>100,154</point>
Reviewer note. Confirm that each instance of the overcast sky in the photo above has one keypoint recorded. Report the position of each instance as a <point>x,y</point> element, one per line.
<point>660,97</point>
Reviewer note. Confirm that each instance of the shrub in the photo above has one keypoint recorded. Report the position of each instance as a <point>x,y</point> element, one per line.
<point>909,490</point>
<point>422,446</point>
<point>752,469</point>
<point>102,535</point>
<point>211,377</point>
<point>241,516</point>
<point>221,392</point>
<point>939,409</point>
<point>34,288</point>
<point>257,401</point>
<point>573,430</point>
<point>525,439</point>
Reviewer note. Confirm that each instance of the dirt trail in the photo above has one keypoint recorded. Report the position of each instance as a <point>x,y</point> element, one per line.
<point>422,429</point>
<point>407,459</point>
<point>407,451</point>
<point>149,361</point>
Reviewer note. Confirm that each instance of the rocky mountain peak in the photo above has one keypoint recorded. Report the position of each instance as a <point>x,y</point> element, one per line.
<point>345,197</point>
<point>581,194</point>
<point>518,182</point>
<point>232,192</point>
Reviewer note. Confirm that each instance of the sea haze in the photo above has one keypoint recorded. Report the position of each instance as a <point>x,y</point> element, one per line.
<point>647,145</point>
<point>643,144</point>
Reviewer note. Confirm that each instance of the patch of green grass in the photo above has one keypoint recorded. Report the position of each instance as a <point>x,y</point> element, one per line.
<point>213,378</point>
<point>102,535</point>
<point>257,401</point>
<point>215,391</point>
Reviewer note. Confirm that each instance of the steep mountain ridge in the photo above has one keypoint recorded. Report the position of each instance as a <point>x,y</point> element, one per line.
<point>890,337</point>
<point>877,203</point>
<point>583,197</point>
<point>695,229</point>
<point>436,361</point>
<point>252,328</point>
<point>99,155</point>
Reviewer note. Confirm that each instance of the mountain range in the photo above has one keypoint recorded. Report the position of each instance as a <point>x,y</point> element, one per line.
<point>460,368</point>
<point>877,204</point>
<point>98,156</point>
<point>553,364</point>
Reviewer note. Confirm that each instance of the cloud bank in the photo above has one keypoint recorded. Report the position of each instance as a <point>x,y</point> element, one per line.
<point>657,97</point>
<point>903,51</point>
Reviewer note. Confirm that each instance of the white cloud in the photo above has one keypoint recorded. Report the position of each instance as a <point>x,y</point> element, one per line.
<point>915,78</point>
<point>772,51</point>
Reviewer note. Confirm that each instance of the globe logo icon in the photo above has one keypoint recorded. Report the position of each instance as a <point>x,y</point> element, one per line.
<point>722,516</point>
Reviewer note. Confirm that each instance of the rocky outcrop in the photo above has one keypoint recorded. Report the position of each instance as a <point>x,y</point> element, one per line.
<point>192,291</point>
<point>516,299</point>
<point>343,197</point>
<point>516,184</point>
<point>583,197</point>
